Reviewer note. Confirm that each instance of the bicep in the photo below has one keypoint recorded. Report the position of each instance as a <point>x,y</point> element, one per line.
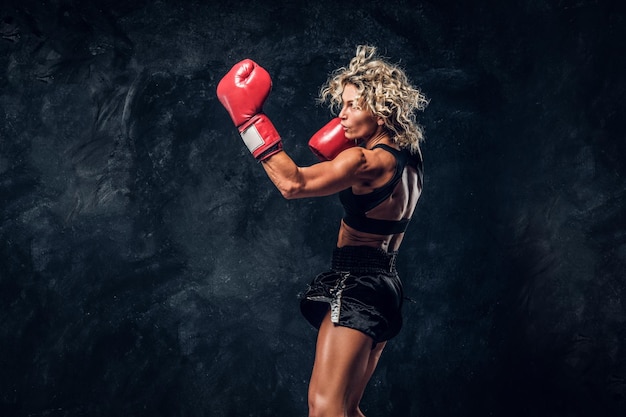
<point>324,178</point>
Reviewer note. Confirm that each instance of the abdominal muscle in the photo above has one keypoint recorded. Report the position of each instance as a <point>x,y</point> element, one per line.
<point>349,236</point>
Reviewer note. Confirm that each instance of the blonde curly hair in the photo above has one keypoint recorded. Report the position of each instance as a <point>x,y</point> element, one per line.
<point>383,88</point>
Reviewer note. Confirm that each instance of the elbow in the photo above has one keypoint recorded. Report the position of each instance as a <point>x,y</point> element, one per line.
<point>289,192</point>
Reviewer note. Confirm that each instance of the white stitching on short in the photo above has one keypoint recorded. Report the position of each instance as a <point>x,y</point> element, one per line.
<point>335,302</point>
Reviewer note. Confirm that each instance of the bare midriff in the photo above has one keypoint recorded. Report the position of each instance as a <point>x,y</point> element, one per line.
<point>349,236</point>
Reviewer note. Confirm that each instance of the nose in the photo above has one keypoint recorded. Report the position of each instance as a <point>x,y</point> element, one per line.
<point>342,113</point>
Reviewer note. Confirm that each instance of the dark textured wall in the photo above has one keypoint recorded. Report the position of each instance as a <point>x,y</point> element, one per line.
<point>149,268</point>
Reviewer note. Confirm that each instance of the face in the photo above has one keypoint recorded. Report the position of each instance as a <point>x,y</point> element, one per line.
<point>358,123</point>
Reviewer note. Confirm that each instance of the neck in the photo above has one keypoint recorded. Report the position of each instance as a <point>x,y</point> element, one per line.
<point>380,136</point>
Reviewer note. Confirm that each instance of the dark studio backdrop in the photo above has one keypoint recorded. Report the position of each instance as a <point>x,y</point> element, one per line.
<point>149,268</point>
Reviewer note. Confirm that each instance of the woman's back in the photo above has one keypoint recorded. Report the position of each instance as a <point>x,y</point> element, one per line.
<point>397,207</point>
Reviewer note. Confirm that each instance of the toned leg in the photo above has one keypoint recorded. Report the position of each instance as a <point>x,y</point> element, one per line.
<point>344,362</point>
<point>357,393</point>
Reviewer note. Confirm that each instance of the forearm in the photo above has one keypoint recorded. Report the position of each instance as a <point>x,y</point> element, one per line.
<point>285,175</point>
<point>317,180</point>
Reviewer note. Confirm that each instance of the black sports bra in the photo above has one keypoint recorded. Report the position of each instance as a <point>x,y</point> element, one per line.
<point>357,205</point>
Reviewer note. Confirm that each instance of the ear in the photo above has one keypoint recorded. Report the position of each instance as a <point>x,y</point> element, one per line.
<point>380,121</point>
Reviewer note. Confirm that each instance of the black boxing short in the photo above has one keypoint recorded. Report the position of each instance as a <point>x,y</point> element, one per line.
<point>362,290</point>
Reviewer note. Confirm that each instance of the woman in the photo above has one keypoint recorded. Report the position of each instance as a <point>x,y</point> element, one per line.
<point>357,303</point>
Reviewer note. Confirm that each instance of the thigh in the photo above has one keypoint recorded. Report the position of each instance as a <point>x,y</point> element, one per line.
<point>341,363</point>
<point>356,394</point>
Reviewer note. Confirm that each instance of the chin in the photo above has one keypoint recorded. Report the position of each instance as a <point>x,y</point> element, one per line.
<point>350,136</point>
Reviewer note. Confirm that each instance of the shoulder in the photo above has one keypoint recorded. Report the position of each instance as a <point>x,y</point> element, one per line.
<point>417,163</point>
<point>413,154</point>
<point>362,158</point>
<point>365,165</point>
<point>416,159</point>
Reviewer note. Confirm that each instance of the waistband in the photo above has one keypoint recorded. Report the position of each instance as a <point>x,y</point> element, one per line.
<point>363,259</point>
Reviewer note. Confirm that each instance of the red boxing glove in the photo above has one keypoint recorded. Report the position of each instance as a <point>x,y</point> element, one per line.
<point>242,91</point>
<point>330,141</point>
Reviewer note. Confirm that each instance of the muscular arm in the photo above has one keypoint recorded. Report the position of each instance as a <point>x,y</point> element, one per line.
<point>350,167</point>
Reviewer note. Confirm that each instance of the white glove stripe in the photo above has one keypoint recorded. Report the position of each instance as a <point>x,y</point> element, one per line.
<point>252,139</point>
